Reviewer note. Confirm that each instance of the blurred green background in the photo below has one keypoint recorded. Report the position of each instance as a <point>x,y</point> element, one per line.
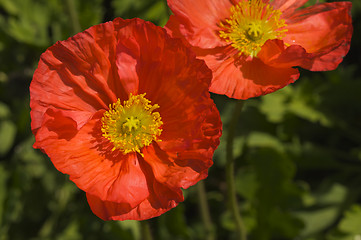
<point>298,150</point>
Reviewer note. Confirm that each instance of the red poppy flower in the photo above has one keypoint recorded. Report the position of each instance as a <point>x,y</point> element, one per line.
<point>124,110</point>
<point>252,46</point>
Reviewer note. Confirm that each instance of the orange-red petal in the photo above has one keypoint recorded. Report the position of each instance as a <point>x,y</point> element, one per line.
<point>148,208</point>
<point>121,211</point>
<point>170,170</point>
<point>165,77</point>
<point>274,53</point>
<point>243,78</point>
<point>161,199</point>
<point>287,7</point>
<point>89,160</point>
<point>78,75</point>
<point>323,30</point>
<point>137,57</point>
<point>199,20</point>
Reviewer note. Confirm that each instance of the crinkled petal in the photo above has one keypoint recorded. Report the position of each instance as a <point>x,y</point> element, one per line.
<point>199,20</point>
<point>176,171</point>
<point>126,65</point>
<point>173,28</point>
<point>161,199</point>
<point>245,78</point>
<point>184,103</point>
<point>89,160</point>
<point>287,6</point>
<point>78,75</point>
<point>275,54</point>
<point>145,60</point>
<point>199,133</point>
<point>328,61</point>
<point>165,78</point>
<point>121,211</point>
<point>324,30</point>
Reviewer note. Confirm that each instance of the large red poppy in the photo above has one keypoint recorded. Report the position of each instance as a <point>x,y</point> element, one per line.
<point>124,110</point>
<point>253,45</point>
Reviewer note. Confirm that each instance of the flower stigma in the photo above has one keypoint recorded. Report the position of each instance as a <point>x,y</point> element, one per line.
<point>251,24</point>
<point>132,125</point>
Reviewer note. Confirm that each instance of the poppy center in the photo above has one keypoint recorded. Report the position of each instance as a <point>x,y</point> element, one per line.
<point>251,24</point>
<point>132,125</point>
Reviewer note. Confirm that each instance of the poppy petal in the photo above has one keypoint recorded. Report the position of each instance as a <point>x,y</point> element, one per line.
<point>205,127</point>
<point>79,83</point>
<point>122,211</point>
<point>139,58</point>
<point>324,30</point>
<point>161,199</point>
<point>181,103</point>
<point>287,6</point>
<point>192,111</point>
<point>200,19</point>
<point>274,53</point>
<point>168,168</point>
<point>179,100</point>
<point>89,160</point>
<point>173,28</point>
<point>245,78</point>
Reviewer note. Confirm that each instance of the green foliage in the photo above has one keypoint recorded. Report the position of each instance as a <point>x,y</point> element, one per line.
<point>7,130</point>
<point>351,224</point>
<point>151,10</point>
<point>298,150</point>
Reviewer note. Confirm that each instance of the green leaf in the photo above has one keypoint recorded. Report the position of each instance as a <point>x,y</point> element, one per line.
<point>91,13</point>
<point>351,223</point>
<point>246,182</point>
<point>260,139</point>
<point>158,13</point>
<point>3,178</point>
<point>274,105</point>
<point>176,223</point>
<point>10,6</point>
<point>132,226</point>
<point>317,220</point>
<point>275,195</point>
<point>302,109</point>
<point>335,195</point>
<point>4,110</point>
<point>71,231</point>
<point>7,136</point>
<point>33,159</point>
<point>121,7</point>
<point>325,211</point>
<point>29,22</point>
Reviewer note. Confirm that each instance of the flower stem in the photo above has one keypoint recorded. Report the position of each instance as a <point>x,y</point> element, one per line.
<point>145,230</point>
<point>73,16</point>
<point>206,216</point>
<point>232,196</point>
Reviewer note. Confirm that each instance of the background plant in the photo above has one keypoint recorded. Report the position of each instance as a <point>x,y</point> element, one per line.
<point>298,150</point>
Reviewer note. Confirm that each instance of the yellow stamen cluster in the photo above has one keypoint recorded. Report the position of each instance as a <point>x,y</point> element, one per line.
<point>251,24</point>
<point>132,125</point>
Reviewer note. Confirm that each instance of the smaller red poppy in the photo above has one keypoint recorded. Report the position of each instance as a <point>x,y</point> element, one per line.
<point>124,110</point>
<point>252,46</point>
